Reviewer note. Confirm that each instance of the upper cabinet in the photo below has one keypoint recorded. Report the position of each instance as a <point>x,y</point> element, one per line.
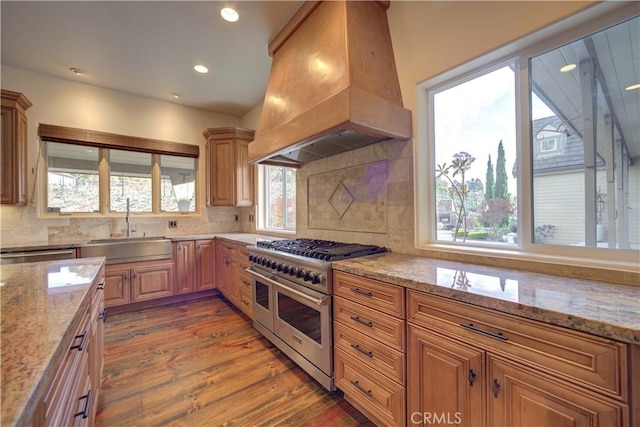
<point>13,148</point>
<point>229,174</point>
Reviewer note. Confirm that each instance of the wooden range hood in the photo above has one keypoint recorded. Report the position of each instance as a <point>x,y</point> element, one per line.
<point>333,85</point>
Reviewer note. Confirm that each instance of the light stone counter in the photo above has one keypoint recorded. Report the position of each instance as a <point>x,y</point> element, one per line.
<point>42,304</point>
<point>604,309</point>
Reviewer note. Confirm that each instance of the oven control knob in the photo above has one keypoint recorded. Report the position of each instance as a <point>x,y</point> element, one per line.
<point>263,261</point>
<point>300,273</point>
<point>250,258</point>
<point>285,269</point>
<point>274,265</point>
<point>293,271</point>
<point>268,263</point>
<point>280,266</point>
<point>307,275</point>
<point>316,279</point>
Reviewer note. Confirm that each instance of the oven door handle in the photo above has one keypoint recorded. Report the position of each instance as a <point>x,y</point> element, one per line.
<point>318,301</point>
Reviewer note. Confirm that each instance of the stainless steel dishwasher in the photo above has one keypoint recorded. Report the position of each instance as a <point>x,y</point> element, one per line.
<point>35,256</point>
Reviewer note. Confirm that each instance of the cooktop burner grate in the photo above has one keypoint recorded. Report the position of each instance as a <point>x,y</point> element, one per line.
<point>325,250</point>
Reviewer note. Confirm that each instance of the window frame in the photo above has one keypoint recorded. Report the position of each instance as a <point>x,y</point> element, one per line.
<point>578,26</point>
<point>106,142</point>
<point>261,207</point>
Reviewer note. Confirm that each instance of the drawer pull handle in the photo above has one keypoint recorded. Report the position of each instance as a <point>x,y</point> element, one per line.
<point>498,336</point>
<point>361,292</point>
<point>101,286</point>
<point>472,377</point>
<point>357,319</point>
<point>361,350</point>
<point>104,315</point>
<point>87,405</point>
<point>357,385</point>
<point>80,346</point>
<point>495,388</point>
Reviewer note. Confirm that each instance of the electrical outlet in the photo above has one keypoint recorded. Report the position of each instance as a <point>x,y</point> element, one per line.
<point>250,217</point>
<point>173,224</point>
<point>236,217</point>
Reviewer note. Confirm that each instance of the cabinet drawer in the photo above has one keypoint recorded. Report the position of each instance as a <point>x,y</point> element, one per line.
<point>372,293</point>
<point>387,329</point>
<point>243,252</point>
<point>245,281</point>
<point>246,302</point>
<point>375,393</point>
<point>372,353</point>
<point>584,359</point>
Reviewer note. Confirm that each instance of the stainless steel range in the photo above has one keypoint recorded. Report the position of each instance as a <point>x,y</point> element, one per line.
<point>292,304</point>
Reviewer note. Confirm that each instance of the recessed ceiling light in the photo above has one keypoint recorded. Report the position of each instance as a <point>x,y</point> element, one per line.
<point>568,68</point>
<point>175,95</point>
<point>229,14</point>
<point>201,69</point>
<point>77,71</point>
<point>632,87</point>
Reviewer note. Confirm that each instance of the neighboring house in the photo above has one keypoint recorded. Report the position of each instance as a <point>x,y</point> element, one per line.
<point>559,187</point>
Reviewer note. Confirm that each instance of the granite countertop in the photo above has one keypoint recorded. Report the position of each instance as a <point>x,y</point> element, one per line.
<point>42,304</point>
<point>600,308</point>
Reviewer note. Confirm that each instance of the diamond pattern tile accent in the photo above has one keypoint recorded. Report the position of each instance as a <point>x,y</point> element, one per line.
<point>341,199</point>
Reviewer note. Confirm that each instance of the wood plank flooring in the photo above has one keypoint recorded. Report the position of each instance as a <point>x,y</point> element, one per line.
<point>201,363</point>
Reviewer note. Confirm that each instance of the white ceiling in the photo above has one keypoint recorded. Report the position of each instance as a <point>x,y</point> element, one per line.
<point>149,48</point>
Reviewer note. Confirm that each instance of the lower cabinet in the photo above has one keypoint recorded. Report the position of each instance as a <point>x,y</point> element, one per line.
<point>71,398</point>
<point>205,264</point>
<point>232,280</point>
<point>140,281</point>
<point>471,366</point>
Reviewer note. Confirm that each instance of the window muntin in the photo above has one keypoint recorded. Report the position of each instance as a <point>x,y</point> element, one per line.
<point>130,178</point>
<point>177,184</point>
<point>548,144</point>
<point>475,146</point>
<point>72,178</point>
<point>529,235</point>
<point>277,198</point>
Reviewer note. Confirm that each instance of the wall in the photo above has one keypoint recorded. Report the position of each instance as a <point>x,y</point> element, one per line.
<point>73,104</point>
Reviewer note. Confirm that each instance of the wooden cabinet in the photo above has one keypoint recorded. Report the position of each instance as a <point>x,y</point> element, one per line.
<point>229,174</point>
<point>13,148</point>
<point>71,398</point>
<point>138,281</point>
<point>369,352</point>
<point>205,264</point>
<point>184,255</point>
<point>234,283</point>
<point>486,368</point>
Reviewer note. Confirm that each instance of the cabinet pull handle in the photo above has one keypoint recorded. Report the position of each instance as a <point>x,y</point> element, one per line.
<point>472,377</point>
<point>87,405</point>
<point>361,292</point>
<point>134,275</point>
<point>357,319</point>
<point>80,346</point>
<point>126,276</point>
<point>104,315</point>
<point>498,336</point>
<point>361,350</point>
<point>101,286</point>
<point>357,385</point>
<point>495,388</point>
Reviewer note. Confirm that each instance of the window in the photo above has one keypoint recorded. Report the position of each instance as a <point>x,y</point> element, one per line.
<point>74,177</point>
<point>529,150</point>
<point>276,198</point>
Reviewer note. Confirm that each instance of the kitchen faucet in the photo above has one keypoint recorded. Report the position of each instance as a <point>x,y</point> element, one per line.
<point>129,230</point>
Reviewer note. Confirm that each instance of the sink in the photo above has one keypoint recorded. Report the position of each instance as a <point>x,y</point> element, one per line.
<point>135,249</point>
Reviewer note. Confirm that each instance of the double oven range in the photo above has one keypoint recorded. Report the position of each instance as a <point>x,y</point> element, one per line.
<point>292,298</point>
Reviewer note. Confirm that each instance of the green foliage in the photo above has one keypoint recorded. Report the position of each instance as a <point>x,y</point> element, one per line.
<point>488,194</point>
<point>500,190</point>
<point>478,235</point>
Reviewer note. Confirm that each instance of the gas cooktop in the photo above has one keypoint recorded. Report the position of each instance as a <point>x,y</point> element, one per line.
<point>325,250</point>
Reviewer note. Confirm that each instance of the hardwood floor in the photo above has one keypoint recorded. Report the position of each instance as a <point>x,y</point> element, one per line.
<point>202,363</point>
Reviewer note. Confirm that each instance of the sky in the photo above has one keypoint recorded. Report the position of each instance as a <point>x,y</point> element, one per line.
<point>475,116</point>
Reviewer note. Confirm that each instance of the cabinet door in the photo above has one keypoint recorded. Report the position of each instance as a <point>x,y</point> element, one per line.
<point>519,397</point>
<point>223,173</point>
<point>184,254</point>
<point>117,286</point>
<point>205,264</point>
<point>152,281</point>
<point>445,380</point>
<point>244,175</point>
